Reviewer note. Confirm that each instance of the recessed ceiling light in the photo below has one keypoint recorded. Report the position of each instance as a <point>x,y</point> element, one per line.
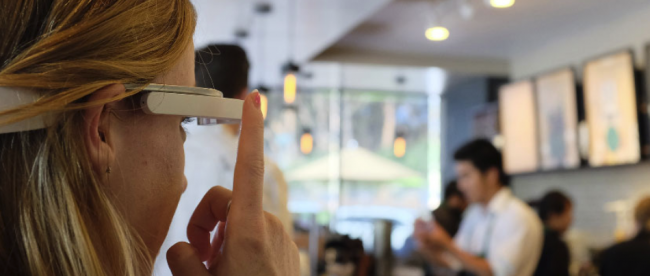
<point>501,4</point>
<point>437,33</point>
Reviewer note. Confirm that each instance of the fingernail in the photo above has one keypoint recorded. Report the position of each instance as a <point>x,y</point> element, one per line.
<point>257,99</point>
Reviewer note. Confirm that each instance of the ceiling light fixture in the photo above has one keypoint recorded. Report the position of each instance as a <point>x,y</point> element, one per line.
<point>264,105</point>
<point>290,69</point>
<point>399,147</point>
<point>306,142</point>
<point>437,33</point>
<point>502,4</point>
<point>290,88</point>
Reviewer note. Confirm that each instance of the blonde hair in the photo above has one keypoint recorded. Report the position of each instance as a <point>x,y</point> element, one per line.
<point>55,216</point>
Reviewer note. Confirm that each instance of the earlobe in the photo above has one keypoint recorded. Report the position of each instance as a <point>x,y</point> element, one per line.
<point>96,128</point>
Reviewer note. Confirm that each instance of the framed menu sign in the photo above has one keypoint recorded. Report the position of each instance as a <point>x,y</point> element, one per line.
<point>557,111</point>
<point>611,110</point>
<point>518,127</point>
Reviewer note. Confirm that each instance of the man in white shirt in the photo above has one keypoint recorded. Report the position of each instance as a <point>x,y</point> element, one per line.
<point>211,151</point>
<point>500,235</point>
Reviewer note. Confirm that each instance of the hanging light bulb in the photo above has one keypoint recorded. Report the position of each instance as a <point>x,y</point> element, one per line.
<point>290,70</point>
<point>437,33</point>
<point>502,4</point>
<point>306,142</point>
<point>399,147</point>
<point>264,105</point>
<point>290,88</point>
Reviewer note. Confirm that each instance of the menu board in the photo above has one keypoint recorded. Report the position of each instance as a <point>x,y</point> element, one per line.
<point>518,127</point>
<point>557,112</point>
<point>611,109</point>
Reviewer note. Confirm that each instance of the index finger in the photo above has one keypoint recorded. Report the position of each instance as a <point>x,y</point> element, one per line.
<point>249,170</point>
<point>212,209</point>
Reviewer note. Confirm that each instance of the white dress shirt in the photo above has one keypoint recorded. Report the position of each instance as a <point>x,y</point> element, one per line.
<point>508,234</point>
<point>210,157</point>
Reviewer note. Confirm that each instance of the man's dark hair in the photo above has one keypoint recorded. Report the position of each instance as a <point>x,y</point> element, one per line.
<point>452,190</point>
<point>554,202</point>
<point>222,67</point>
<point>484,156</point>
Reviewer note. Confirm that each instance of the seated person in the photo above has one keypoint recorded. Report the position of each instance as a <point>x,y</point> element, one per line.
<point>450,212</point>
<point>448,215</point>
<point>344,256</point>
<point>631,258</point>
<point>556,211</point>
<point>499,235</point>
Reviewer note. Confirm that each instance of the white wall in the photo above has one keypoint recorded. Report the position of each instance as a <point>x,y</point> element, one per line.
<point>631,31</point>
<point>590,188</point>
<point>458,102</point>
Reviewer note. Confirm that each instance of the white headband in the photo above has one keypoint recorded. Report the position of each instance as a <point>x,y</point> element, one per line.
<point>207,104</point>
<point>11,97</point>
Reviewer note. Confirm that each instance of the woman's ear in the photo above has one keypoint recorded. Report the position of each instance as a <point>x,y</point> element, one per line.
<point>96,129</point>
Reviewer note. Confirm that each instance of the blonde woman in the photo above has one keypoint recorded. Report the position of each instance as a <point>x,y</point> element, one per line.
<point>88,181</point>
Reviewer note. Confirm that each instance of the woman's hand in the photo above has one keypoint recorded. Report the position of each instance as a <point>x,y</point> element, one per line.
<point>248,241</point>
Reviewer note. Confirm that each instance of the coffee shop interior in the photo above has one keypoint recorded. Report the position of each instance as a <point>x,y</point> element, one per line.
<point>367,103</point>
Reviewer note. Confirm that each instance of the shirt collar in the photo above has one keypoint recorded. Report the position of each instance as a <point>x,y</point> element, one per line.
<point>499,201</point>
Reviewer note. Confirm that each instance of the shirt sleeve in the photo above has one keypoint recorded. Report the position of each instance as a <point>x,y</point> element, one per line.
<point>517,242</point>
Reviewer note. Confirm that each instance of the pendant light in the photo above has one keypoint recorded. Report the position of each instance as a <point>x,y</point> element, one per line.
<point>436,32</point>
<point>290,70</point>
<point>502,4</point>
<point>262,9</point>
<point>399,145</point>
<point>306,142</point>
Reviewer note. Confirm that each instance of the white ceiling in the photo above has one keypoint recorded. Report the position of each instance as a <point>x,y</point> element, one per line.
<point>483,44</point>
<point>295,29</point>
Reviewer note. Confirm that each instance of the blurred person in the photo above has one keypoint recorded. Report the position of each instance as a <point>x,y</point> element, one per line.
<point>450,212</point>
<point>211,151</point>
<point>344,256</point>
<point>499,235</point>
<point>630,258</point>
<point>225,68</point>
<point>448,215</point>
<point>88,181</point>
<point>556,212</point>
